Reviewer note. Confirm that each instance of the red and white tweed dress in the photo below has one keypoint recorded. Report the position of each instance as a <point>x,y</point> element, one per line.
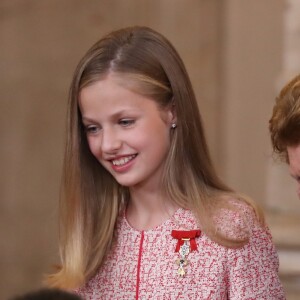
<point>142,264</point>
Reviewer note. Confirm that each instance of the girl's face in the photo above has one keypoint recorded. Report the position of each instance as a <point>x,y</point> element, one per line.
<point>127,132</point>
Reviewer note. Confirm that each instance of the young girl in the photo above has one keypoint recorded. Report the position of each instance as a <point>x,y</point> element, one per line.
<point>144,215</point>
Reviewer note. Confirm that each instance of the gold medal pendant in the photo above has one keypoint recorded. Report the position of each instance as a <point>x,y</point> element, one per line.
<point>181,263</point>
<point>182,260</point>
<point>186,244</point>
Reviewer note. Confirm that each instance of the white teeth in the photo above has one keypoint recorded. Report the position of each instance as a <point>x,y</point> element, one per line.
<point>122,161</point>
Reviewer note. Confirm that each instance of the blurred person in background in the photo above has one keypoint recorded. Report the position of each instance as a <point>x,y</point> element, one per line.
<point>284,127</point>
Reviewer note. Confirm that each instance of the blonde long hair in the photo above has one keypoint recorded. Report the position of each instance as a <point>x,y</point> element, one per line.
<point>91,199</point>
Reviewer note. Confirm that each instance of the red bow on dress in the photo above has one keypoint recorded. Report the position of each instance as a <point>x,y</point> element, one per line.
<point>190,235</point>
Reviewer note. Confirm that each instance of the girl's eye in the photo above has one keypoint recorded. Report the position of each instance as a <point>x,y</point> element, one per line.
<point>126,122</point>
<point>91,129</point>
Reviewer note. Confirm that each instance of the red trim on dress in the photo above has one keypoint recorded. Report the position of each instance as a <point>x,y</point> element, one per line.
<point>139,267</point>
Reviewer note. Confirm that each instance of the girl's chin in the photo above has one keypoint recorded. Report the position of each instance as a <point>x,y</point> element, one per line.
<point>126,182</point>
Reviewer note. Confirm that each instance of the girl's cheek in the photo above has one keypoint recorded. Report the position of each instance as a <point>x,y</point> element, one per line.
<point>94,147</point>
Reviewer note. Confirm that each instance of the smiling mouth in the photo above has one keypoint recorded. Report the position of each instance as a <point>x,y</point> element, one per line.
<point>124,160</point>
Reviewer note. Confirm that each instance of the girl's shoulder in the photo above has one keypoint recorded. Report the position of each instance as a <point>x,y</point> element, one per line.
<point>237,217</point>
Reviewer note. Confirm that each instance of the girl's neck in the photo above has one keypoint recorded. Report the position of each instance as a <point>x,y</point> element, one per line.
<point>148,209</point>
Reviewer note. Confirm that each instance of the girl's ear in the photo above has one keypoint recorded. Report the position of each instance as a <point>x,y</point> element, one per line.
<point>169,115</point>
<point>172,116</point>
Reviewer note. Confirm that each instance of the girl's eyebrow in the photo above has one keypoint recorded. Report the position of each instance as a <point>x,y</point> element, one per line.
<point>114,115</point>
<point>87,119</point>
<point>123,111</point>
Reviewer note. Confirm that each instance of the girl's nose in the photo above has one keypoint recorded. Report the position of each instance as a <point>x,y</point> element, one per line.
<point>110,142</point>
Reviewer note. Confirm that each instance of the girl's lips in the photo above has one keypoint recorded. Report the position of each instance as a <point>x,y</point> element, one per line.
<point>122,164</point>
<point>123,160</point>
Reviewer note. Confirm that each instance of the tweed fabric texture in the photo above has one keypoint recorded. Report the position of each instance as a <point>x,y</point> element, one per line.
<point>142,264</point>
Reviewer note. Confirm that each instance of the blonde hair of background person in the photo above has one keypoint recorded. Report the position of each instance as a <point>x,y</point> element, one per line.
<point>140,62</point>
<point>284,126</point>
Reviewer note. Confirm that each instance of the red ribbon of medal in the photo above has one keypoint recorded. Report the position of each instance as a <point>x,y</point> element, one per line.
<point>182,235</point>
<point>186,244</point>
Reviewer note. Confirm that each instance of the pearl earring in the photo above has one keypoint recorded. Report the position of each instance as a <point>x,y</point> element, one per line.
<point>174,125</point>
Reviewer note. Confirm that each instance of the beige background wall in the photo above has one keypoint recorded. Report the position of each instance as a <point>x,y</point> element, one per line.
<point>252,60</point>
<point>232,50</point>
